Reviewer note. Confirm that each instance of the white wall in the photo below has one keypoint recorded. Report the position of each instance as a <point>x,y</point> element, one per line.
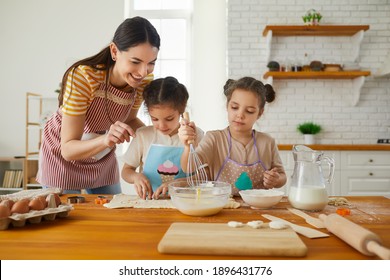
<point>327,102</point>
<point>39,40</point>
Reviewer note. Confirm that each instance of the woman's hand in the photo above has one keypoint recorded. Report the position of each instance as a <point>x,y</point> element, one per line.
<point>142,186</point>
<point>119,132</point>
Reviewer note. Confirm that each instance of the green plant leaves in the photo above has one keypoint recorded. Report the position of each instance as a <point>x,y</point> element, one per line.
<point>309,128</point>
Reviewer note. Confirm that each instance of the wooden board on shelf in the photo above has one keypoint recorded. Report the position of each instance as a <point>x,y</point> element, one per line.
<point>314,30</point>
<point>316,74</point>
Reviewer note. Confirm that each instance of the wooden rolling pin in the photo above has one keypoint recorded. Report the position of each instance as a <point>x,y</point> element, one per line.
<point>363,240</point>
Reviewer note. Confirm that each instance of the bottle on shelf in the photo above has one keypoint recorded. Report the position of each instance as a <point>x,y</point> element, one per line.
<point>306,63</point>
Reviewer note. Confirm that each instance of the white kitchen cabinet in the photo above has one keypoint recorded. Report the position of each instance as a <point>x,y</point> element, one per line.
<point>356,172</point>
<point>365,173</point>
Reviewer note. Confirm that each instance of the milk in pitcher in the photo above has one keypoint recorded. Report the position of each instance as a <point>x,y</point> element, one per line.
<point>311,198</point>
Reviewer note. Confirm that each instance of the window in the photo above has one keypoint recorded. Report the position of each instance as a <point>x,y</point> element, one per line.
<point>172,19</point>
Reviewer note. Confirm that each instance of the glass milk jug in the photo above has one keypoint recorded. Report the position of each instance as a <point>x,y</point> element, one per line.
<point>307,189</point>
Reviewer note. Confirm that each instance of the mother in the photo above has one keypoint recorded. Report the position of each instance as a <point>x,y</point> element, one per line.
<point>98,107</point>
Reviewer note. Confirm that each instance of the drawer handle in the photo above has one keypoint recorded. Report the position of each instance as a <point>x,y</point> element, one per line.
<point>371,174</point>
<point>370,160</point>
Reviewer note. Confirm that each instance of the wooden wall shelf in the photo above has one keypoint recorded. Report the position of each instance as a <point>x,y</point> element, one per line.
<point>356,32</point>
<point>316,75</point>
<point>314,30</point>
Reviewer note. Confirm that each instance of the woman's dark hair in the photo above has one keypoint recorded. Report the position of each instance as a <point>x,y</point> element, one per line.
<point>166,91</point>
<point>265,93</point>
<point>130,33</point>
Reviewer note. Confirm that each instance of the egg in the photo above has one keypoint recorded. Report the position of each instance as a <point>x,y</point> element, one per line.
<point>43,199</point>
<point>8,203</point>
<point>4,211</point>
<point>21,206</point>
<point>36,204</point>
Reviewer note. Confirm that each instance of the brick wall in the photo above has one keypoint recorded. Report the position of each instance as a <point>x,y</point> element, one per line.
<point>327,102</point>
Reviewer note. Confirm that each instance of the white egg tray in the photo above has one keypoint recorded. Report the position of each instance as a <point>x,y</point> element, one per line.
<point>33,216</point>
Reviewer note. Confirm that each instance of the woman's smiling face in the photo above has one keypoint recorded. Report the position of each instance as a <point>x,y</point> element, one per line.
<point>132,65</point>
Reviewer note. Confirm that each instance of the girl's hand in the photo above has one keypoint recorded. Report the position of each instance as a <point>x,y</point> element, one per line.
<point>119,132</point>
<point>187,132</point>
<point>142,186</point>
<point>162,190</point>
<point>271,178</point>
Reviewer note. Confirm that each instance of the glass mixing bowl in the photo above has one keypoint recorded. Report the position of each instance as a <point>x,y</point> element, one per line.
<point>204,199</point>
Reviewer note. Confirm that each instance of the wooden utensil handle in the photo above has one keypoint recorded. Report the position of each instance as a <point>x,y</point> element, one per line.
<point>378,250</point>
<point>186,116</point>
<point>355,235</point>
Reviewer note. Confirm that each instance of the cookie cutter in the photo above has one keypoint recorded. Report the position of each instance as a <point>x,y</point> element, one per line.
<point>76,199</point>
<point>101,199</point>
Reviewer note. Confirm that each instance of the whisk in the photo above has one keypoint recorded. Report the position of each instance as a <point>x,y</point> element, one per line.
<point>196,173</point>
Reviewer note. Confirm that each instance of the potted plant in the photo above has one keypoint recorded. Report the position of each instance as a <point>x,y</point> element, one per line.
<point>312,17</point>
<point>309,129</point>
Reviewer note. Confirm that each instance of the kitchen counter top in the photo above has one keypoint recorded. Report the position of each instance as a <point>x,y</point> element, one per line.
<point>91,231</point>
<point>341,147</point>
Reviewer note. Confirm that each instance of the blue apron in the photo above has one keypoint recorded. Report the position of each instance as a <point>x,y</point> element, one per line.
<point>159,155</point>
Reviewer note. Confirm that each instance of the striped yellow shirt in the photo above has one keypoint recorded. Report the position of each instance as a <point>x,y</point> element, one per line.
<point>81,86</point>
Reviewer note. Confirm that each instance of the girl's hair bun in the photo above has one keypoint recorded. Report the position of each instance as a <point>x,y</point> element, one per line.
<point>269,93</point>
<point>227,85</point>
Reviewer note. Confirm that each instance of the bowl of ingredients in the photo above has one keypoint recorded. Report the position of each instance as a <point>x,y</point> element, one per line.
<point>261,198</point>
<point>203,199</point>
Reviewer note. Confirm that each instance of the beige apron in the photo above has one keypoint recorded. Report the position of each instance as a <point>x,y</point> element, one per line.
<point>242,176</point>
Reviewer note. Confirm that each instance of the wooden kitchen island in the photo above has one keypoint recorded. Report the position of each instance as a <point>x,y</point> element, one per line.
<point>93,232</point>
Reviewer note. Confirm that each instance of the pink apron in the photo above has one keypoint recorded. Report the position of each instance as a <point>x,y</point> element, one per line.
<point>242,176</point>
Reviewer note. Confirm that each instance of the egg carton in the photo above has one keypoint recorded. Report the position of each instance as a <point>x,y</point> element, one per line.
<point>35,217</point>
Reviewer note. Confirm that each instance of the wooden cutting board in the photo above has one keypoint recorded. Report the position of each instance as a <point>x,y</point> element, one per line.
<point>220,239</point>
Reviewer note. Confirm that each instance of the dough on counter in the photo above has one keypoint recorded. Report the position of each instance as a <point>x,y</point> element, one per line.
<point>338,201</point>
<point>255,224</point>
<point>235,224</point>
<point>133,201</point>
<point>278,225</point>
<point>232,204</point>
